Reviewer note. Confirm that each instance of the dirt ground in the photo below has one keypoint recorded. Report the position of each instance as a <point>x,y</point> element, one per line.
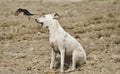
<point>25,49</point>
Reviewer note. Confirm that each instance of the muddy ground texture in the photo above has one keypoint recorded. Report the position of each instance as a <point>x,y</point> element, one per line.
<point>25,49</point>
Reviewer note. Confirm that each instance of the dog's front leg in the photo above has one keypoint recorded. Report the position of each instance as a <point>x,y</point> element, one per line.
<point>53,56</point>
<point>62,52</point>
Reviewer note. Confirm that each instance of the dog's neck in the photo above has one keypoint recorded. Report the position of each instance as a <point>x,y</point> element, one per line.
<point>55,29</point>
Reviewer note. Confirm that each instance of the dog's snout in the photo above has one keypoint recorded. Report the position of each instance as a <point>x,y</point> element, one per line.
<point>38,21</point>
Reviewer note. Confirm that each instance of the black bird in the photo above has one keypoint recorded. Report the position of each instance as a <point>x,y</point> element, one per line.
<point>25,12</point>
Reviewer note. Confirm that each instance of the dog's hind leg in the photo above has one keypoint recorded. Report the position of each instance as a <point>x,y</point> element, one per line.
<point>78,57</point>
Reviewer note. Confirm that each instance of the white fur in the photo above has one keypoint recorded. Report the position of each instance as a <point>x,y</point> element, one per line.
<point>62,42</point>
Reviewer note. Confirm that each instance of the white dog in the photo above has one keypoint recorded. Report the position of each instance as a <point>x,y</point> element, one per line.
<point>62,42</point>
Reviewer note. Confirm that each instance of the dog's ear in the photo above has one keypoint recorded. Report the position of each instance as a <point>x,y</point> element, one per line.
<point>56,15</point>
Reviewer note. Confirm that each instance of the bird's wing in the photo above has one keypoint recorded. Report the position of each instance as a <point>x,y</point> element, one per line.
<point>17,12</point>
<point>25,11</point>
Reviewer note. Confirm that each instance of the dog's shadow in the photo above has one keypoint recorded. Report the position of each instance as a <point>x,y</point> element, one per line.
<point>67,64</point>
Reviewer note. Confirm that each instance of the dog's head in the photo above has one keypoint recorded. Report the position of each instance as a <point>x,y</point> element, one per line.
<point>46,19</point>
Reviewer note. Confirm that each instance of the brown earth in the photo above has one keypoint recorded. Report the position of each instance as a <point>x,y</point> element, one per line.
<point>25,49</point>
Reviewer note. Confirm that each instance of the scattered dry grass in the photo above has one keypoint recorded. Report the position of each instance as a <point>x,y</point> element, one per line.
<point>24,48</point>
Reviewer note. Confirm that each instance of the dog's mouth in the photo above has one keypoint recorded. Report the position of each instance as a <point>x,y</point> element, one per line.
<point>39,22</point>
